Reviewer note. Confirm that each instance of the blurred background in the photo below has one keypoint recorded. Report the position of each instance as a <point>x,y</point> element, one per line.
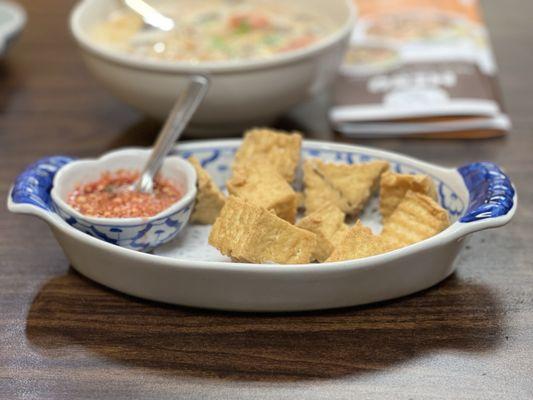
<point>49,97</point>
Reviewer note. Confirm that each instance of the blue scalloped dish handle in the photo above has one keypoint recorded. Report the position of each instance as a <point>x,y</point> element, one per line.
<point>491,191</point>
<point>33,186</point>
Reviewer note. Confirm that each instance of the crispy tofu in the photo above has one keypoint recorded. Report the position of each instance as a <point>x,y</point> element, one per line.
<point>279,149</point>
<point>263,186</point>
<point>328,224</point>
<point>393,188</point>
<point>416,218</point>
<point>359,242</point>
<point>209,199</point>
<point>248,233</point>
<point>349,186</point>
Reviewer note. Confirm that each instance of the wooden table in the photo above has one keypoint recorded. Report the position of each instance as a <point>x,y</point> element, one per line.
<point>65,337</point>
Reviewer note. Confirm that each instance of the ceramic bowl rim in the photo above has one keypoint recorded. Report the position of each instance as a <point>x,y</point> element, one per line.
<point>188,196</point>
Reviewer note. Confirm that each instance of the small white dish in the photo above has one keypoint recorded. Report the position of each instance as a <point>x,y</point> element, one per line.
<point>12,21</point>
<point>242,93</point>
<point>142,234</point>
<point>187,271</point>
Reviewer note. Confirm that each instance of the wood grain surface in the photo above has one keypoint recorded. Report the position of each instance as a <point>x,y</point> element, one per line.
<point>65,337</point>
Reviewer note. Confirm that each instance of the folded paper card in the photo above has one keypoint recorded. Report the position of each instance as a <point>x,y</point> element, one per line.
<point>419,68</point>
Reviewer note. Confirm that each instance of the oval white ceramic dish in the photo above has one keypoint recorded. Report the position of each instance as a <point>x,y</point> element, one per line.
<point>142,234</point>
<point>187,271</point>
<point>242,93</point>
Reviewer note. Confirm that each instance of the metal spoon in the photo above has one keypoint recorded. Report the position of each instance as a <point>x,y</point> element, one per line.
<point>182,112</point>
<point>150,15</point>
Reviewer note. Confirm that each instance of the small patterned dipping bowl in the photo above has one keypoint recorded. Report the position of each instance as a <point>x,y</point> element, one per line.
<point>142,234</point>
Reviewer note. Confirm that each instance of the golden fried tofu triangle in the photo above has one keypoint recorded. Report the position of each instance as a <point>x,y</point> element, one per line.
<point>209,199</point>
<point>248,233</point>
<point>328,224</point>
<point>278,148</point>
<point>359,242</point>
<point>349,186</point>
<point>394,186</point>
<point>255,223</point>
<point>416,218</point>
<point>263,186</point>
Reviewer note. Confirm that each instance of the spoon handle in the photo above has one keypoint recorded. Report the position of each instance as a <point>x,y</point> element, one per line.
<point>150,15</point>
<point>180,115</point>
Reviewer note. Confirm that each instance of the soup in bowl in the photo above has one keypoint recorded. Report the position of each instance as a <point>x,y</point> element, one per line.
<point>263,57</point>
<point>215,30</point>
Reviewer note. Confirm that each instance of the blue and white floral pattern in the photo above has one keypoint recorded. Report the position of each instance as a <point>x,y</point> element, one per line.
<point>218,160</point>
<point>491,193</point>
<point>33,186</point>
<point>142,237</point>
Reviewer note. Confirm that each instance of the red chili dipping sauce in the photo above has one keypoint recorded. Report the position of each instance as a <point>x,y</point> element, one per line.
<point>111,196</point>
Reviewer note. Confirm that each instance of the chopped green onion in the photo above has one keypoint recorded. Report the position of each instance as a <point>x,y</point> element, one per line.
<point>271,40</point>
<point>243,28</point>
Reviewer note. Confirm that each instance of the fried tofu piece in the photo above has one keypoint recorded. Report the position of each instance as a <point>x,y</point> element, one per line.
<point>328,224</point>
<point>248,233</point>
<point>416,218</point>
<point>359,242</point>
<point>393,188</point>
<point>209,199</point>
<point>263,186</point>
<point>279,149</point>
<point>349,186</point>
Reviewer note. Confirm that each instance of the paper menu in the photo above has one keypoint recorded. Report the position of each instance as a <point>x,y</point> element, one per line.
<point>419,67</point>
